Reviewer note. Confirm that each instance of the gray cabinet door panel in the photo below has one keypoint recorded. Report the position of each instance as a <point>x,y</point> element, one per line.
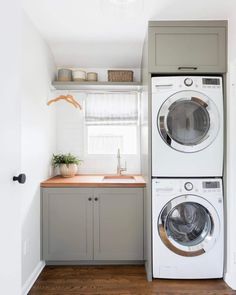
<point>67,224</point>
<point>187,49</point>
<point>118,224</point>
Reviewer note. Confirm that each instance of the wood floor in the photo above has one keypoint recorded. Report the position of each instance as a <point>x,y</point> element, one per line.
<point>122,280</point>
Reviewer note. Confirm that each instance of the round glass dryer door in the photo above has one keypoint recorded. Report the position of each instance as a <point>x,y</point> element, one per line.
<point>188,225</point>
<point>188,121</point>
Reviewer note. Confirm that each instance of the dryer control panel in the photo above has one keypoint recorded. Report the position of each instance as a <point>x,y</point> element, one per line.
<point>168,84</point>
<point>211,184</point>
<point>210,81</point>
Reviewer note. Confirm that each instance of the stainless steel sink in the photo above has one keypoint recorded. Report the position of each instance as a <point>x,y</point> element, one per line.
<point>119,179</point>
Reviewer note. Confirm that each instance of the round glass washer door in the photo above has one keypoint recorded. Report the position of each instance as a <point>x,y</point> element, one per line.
<point>188,121</point>
<point>188,225</point>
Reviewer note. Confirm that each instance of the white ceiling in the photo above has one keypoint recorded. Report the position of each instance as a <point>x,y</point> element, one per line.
<point>99,33</point>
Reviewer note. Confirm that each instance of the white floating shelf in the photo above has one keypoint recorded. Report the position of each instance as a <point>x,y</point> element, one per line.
<point>97,86</point>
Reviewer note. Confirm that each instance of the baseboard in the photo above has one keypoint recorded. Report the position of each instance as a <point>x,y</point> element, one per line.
<point>96,262</point>
<point>230,280</point>
<point>32,278</point>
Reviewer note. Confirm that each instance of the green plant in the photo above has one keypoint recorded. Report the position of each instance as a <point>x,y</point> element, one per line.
<point>65,159</point>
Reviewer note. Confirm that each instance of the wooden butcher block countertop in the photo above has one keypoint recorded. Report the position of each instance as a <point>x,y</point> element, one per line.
<point>124,181</point>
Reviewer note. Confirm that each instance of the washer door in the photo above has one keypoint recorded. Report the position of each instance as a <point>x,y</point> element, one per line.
<point>188,121</point>
<point>189,225</point>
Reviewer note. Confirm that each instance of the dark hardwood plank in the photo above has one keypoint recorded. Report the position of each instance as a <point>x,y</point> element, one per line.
<point>122,280</point>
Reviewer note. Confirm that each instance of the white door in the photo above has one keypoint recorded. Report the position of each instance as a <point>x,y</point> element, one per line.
<point>189,225</point>
<point>188,121</point>
<point>10,191</point>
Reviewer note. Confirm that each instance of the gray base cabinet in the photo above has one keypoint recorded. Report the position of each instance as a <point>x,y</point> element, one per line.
<point>83,224</point>
<point>67,224</point>
<point>118,224</point>
<point>187,47</point>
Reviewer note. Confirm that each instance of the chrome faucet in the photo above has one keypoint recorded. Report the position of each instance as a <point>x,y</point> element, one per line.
<point>119,168</point>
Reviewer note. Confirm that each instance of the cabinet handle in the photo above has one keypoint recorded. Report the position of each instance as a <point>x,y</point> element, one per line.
<point>187,68</point>
<point>90,199</point>
<point>96,199</point>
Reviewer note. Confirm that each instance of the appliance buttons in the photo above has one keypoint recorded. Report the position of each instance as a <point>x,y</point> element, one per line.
<point>188,82</point>
<point>188,186</point>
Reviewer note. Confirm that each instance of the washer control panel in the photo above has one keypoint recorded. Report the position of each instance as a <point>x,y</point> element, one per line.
<point>188,186</point>
<point>211,184</point>
<point>176,187</point>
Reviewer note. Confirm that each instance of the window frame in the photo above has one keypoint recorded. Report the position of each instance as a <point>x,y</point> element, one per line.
<point>111,156</point>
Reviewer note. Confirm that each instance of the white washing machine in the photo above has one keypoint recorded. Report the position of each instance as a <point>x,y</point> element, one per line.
<point>188,228</point>
<point>187,126</point>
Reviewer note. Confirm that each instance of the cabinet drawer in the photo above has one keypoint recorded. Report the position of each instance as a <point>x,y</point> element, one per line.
<point>187,49</point>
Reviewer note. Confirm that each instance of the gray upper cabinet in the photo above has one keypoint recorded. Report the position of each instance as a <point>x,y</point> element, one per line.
<point>67,224</point>
<point>187,47</point>
<point>118,224</point>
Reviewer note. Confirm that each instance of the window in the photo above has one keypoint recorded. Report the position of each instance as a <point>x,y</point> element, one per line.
<point>112,122</point>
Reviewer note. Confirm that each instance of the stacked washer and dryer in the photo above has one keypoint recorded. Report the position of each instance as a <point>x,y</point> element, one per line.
<point>187,167</point>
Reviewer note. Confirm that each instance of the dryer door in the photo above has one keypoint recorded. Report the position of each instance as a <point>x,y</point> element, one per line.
<point>188,121</point>
<point>189,225</point>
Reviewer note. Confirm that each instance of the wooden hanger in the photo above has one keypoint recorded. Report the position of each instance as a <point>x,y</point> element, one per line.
<point>69,98</point>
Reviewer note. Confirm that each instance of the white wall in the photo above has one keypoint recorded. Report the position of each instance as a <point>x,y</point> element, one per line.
<point>38,140</point>
<point>230,276</point>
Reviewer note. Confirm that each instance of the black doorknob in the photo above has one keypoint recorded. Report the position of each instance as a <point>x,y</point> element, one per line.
<point>21,178</point>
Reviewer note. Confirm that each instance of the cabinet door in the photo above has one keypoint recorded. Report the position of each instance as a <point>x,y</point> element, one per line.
<point>67,224</point>
<point>118,224</point>
<point>187,49</point>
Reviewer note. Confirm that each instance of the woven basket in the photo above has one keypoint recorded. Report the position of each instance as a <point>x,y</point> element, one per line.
<point>120,76</point>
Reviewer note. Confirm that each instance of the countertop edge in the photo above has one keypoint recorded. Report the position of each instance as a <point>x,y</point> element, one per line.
<point>102,185</point>
<point>60,182</point>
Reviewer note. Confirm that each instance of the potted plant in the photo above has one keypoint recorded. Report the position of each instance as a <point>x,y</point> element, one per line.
<point>67,163</point>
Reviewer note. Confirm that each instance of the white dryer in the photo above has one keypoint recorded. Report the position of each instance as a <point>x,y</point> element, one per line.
<point>188,228</point>
<point>187,126</point>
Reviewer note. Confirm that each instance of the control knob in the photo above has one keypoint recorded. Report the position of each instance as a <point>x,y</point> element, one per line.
<point>188,186</point>
<point>188,82</point>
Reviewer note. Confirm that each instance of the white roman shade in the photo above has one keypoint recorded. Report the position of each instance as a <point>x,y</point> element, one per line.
<point>111,109</point>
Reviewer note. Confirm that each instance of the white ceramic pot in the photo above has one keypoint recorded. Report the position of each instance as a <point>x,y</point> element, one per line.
<point>92,76</point>
<point>68,170</point>
<point>64,75</point>
<point>79,75</point>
